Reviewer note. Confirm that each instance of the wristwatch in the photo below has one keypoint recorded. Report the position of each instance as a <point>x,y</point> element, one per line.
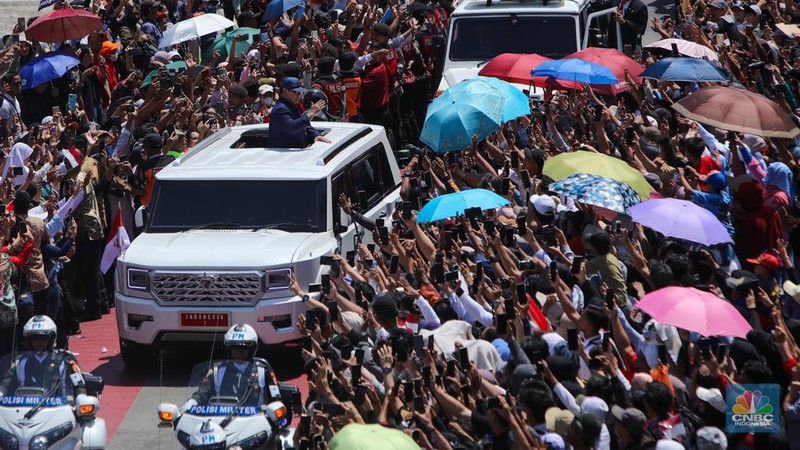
<point>386,370</point>
<point>305,298</point>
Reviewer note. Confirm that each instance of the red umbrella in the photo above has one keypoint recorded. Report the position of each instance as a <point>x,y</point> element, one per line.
<point>63,25</point>
<point>614,60</point>
<point>516,68</point>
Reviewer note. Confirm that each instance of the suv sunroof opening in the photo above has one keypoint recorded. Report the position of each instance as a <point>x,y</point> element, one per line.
<point>259,138</point>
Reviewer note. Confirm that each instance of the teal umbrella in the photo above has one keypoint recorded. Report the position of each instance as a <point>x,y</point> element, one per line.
<point>452,205</point>
<point>175,66</point>
<point>515,102</point>
<point>223,43</point>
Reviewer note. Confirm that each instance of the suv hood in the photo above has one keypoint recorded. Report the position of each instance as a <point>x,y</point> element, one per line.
<point>215,248</point>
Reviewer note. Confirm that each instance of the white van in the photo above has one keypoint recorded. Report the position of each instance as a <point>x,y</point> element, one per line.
<point>481,30</point>
<point>230,221</point>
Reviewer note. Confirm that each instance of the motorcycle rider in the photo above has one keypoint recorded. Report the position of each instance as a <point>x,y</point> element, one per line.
<point>43,366</point>
<point>239,376</point>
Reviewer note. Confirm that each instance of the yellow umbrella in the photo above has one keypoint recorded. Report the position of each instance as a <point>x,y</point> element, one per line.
<point>566,164</point>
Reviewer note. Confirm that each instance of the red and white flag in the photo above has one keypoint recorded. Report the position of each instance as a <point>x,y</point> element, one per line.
<point>117,242</point>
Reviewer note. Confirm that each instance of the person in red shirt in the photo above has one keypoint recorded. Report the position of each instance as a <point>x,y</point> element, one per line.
<point>375,93</point>
<point>693,149</point>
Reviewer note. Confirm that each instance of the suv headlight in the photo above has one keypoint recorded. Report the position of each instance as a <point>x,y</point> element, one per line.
<point>138,279</point>
<point>277,279</point>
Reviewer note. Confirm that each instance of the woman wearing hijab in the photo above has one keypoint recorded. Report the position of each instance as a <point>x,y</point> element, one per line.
<point>779,193</point>
<point>17,159</point>
<point>760,227</point>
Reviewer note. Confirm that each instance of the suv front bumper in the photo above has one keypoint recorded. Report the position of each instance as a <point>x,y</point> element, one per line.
<point>146,322</point>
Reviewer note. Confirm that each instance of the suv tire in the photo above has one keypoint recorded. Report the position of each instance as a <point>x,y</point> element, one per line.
<point>136,356</point>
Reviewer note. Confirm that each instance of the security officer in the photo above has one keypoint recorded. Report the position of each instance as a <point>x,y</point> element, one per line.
<point>242,376</point>
<point>44,366</point>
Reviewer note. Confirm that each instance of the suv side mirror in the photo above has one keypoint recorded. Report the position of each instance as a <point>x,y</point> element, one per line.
<point>140,217</point>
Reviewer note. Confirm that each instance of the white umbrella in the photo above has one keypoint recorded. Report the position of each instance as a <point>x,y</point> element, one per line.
<point>189,29</point>
<point>686,48</point>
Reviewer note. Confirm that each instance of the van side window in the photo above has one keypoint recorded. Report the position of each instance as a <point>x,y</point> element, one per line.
<point>366,181</point>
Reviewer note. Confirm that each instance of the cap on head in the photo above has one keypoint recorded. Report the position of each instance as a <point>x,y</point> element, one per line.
<point>382,29</point>
<point>630,418</point>
<point>718,4</point>
<point>292,84</point>
<point>153,140</point>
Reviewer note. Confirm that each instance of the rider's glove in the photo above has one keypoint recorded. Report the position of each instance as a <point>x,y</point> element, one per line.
<point>189,403</point>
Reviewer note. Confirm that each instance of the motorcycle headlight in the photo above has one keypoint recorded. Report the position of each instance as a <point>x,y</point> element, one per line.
<point>42,441</point>
<point>8,441</point>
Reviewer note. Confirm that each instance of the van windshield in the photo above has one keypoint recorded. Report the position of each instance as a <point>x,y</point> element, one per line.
<point>483,38</point>
<point>181,205</point>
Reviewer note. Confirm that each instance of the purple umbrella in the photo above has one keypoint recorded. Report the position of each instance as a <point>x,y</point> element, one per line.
<point>681,219</point>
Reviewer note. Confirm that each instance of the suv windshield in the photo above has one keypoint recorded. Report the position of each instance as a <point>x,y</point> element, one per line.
<point>238,204</point>
<point>483,38</point>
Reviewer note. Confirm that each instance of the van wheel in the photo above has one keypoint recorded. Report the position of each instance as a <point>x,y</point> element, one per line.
<point>136,356</point>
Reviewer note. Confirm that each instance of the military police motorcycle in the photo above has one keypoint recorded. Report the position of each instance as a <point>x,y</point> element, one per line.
<point>50,417</point>
<point>234,403</point>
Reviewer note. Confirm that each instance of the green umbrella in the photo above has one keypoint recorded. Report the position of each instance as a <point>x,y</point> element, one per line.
<point>371,437</point>
<point>175,66</point>
<point>223,43</point>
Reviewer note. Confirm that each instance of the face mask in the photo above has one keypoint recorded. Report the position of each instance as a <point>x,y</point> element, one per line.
<point>268,101</point>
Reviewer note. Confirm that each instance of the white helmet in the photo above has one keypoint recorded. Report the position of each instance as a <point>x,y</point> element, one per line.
<point>242,335</point>
<point>40,326</point>
<point>208,436</point>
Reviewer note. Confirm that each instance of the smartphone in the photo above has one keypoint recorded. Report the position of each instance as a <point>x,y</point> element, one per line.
<point>326,260</point>
<point>514,160</point>
<point>505,186</point>
<point>325,282</point>
<point>16,171</point>
<point>675,51</point>
<point>617,227</point>
<point>72,102</point>
<point>721,349</point>
<point>21,21</point>
<point>553,270</point>
<point>606,341</point>
<point>627,49</point>
<point>463,358</point>
<point>305,342</point>
<point>311,316</point>
<point>351,258</point>
<point>417,386</point>
<point>394,264</point>
<point>56,110</point>
<point>383,235</point>
<point>419,404</point>
<point>361,392</point>
<point>426,375</point>
<point>305,423</point>
<point>419,345</point>
<point>663,355</point>
<point>629,134</point>
<point>526,178</point>
<point>572,339</point>
<point>493,403</point>
<point>451,276</point>
<point>437,272</point>
<point>502,324</point>
<point>610,294</point>
<point>511,312</point>
<point>451,368</point>
<point>407,210</point>
<point>549,236</point>
<point>314,288</point>
<point>488,225</point>
<point>431,344</point>
<point>131,108</point>
<point>438,380</point>
<point>355,374</point>
<point>333,409</point>
<point>522,295</point>
<point>359,356</point>
<point>472,212</point>
<point>408,391</point>
<point>576,264</point>
<point>264,37</point>
<point>333,310</point>
<point>359,297</point>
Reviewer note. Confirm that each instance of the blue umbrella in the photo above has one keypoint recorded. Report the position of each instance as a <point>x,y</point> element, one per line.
<point>469,108</point>
<point>598,191</point>
<point>577,70</point>
<point>46,67</point>
<point>515,102</point>
<point>277,7</point>
<point>452,205</point>
<point>683,69</point>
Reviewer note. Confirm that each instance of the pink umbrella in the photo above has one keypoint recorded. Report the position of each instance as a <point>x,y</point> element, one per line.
<point>63,25</point>
<point>685,48</point>
<point>694,310</point>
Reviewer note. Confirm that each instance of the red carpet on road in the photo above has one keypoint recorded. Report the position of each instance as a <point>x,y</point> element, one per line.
<point>121,386</point>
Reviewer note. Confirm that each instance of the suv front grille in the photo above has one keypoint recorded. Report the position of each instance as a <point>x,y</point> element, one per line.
<point>210,289</point>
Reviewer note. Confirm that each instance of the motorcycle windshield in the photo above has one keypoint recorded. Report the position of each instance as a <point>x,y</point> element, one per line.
<point>222,387</point>
<point>30,379</point>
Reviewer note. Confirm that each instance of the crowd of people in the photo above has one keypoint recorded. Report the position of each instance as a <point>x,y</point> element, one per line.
<point>509,328</point>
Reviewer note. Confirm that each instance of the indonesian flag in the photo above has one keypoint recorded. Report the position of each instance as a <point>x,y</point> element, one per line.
<point>117,242</point>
